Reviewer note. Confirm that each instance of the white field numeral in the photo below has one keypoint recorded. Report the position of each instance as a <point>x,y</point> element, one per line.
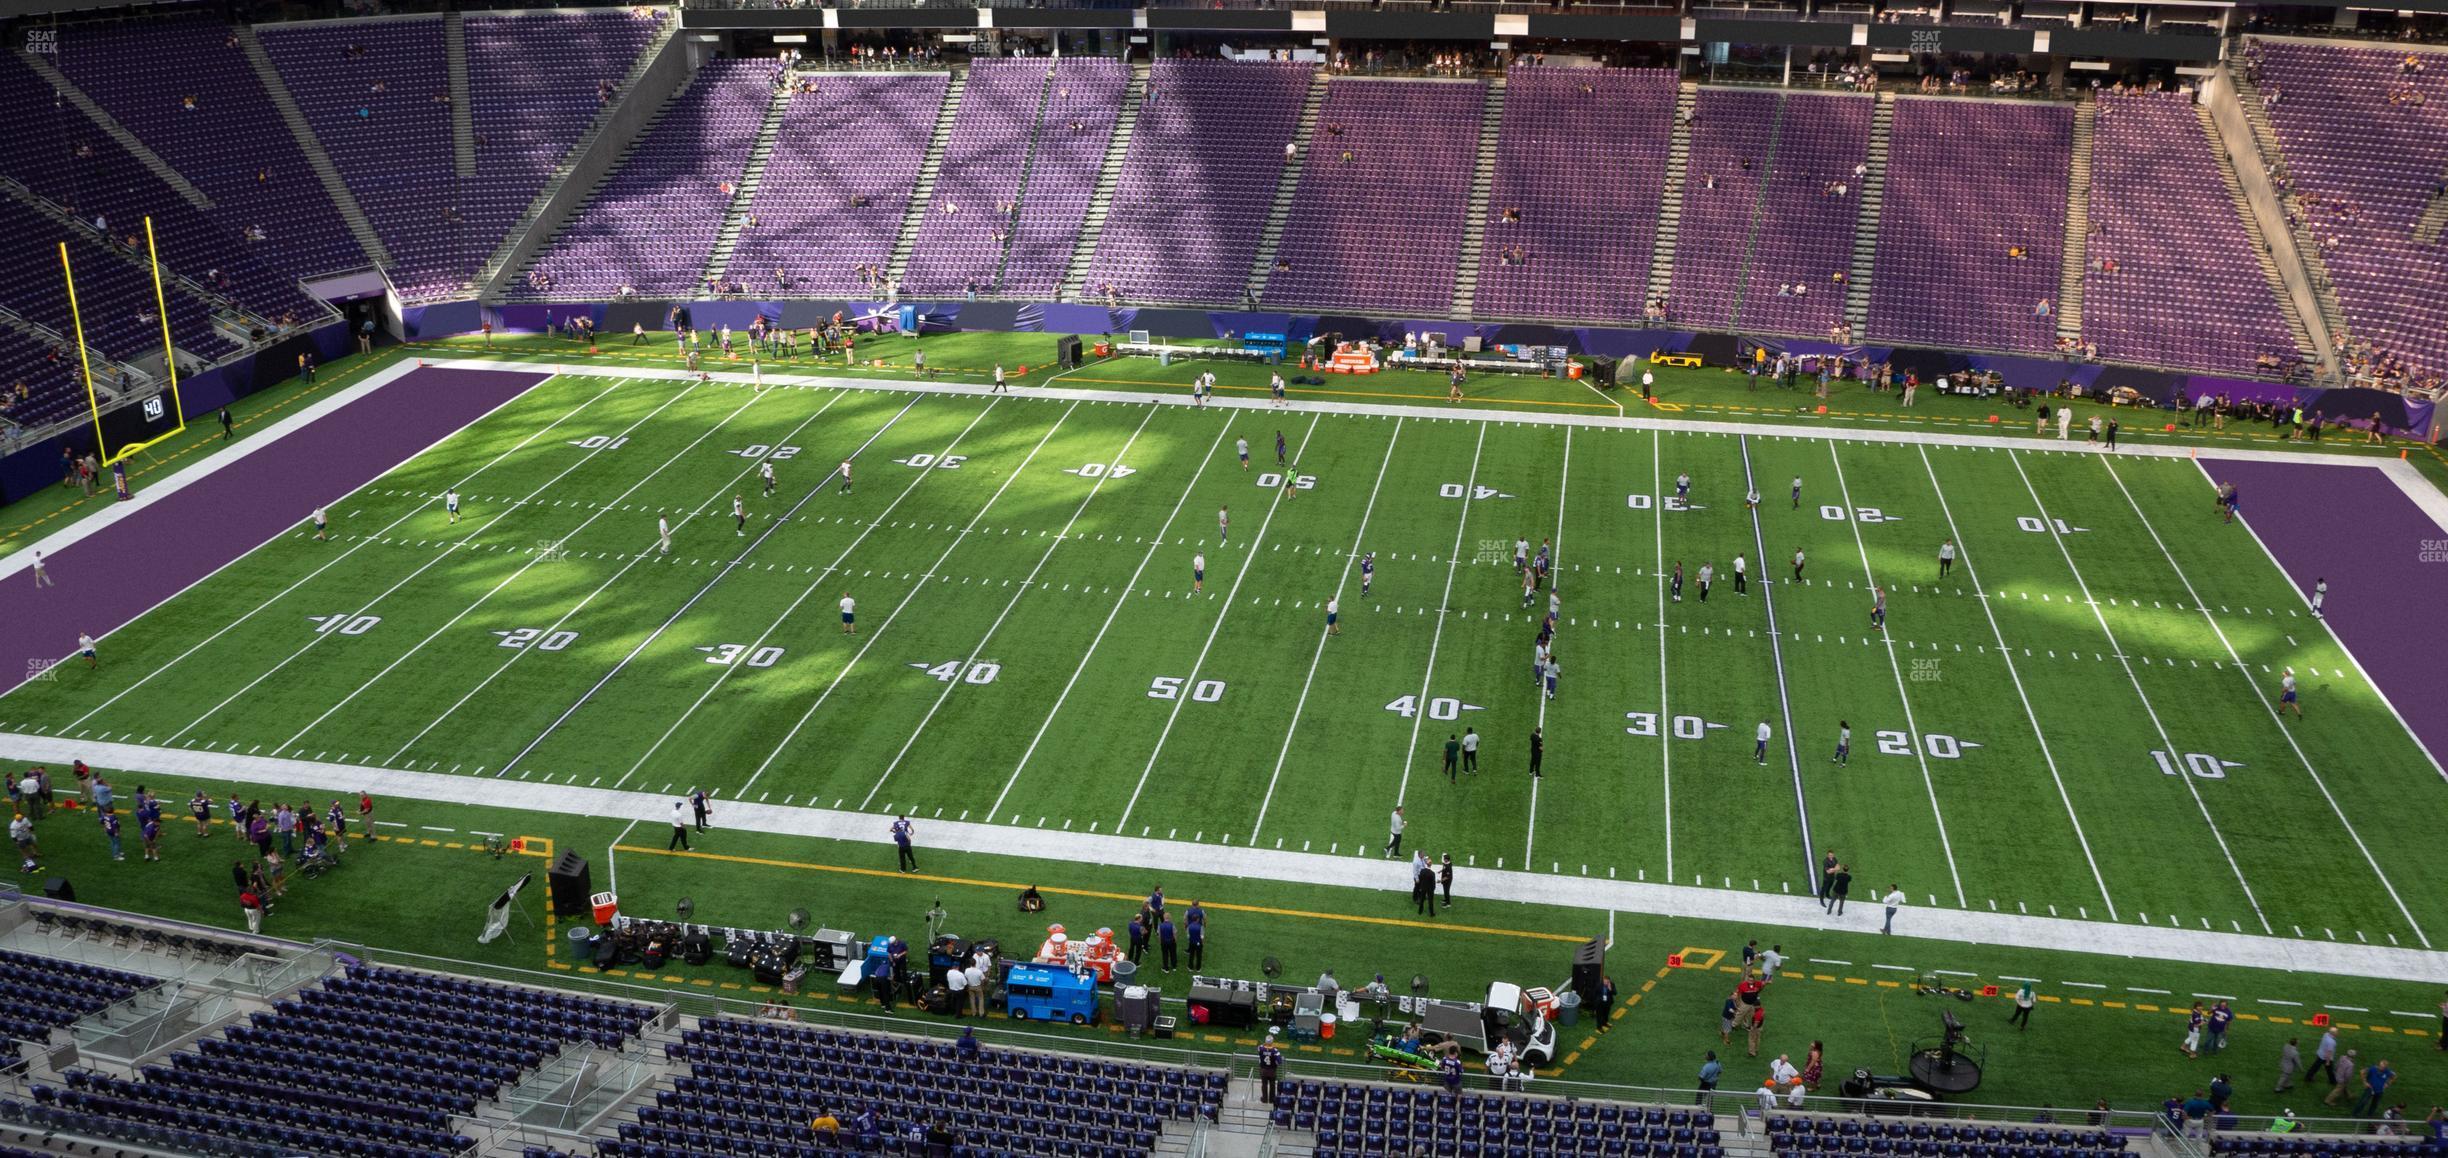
<point>923,461</point>
<point>760,450</point>
<point>2033,524</point>
<point>343,623</point>
<point>1170,688</point>
<point>1273,481</point>
<point>538,638</point>
<point>1103,470</point>
<point>1439,708</point>
<point>1939,746</point>
<point>726,654</point>
<point>1837,514</point>
<point>982,672</point>
<point>600,442</point>
<point>1683,727</point>
<point>2201,764</point>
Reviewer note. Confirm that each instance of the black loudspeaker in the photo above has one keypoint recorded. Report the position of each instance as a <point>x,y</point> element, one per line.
<point>573,885</point>
<point>58,889</point>
<point>1588,969</point>
<point>1067,351</point>
<point>697,948</point>
<point>1602,372</point>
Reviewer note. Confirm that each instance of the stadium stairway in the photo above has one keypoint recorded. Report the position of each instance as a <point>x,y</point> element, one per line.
<point>1109,174</point>
<point>2296,329</point>
<point>2307,246</point>
<point>1759,204</point>
<point>463,112</point>
<point>718,262</point>
<point>1865,230</point>
<point>536,208</point>
<point>351,213</point>
<point>111,127</point>
<point>2077,257</point>
<point>922,192</point>
<point>1028,164</point>
<point>1483,184</point>
<point>1271,238</point>
<point>1670,205</point>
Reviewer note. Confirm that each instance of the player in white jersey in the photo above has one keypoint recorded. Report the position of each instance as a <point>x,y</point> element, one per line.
<point>1198,573</point>
<point>1521,554</point>
<point>1529,587</point>
<point>1799,560</point>
<point>1555,671</point>
<point>1708,571</point>
<point>2320,595</point>
<point>322,523</point>
<point>1742,578</point>
<point>42,578</point>
<point>2286,694</point>
<point>1275,386</point>
<point>1223,524</point>
<point>739,515</point>
<point>1000,386</point>
<point>663,535</point>
<point>1946,558</point>
<point>1878,607</point>
<point>1797,492</point>
<point>1368,572</point>
<point>450,503</point>
<point>1751,499</point>
<point>1334,609</point>
<point>1241,447</point>
<point>1759,750</point>
<point>849,608</point>
<point>845,471</point>
<point>765,472</point>
<point>1844,743</point>
<point>1682,487</point>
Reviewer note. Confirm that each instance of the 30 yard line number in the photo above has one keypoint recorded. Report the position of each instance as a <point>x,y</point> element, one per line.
<point>1642,502</point>
<point>726,654</point>
<point>939,461</point>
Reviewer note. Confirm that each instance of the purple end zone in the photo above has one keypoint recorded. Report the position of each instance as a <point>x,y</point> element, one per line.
<point>121,571</point>
<point>2381,555</point>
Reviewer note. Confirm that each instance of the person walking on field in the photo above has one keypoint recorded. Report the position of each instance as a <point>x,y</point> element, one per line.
<point>1395,833</point>
<point>1893,900</point>
<point>2023,1002</point>
<point>680,827</point>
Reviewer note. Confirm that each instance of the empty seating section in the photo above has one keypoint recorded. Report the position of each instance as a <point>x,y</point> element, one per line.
<point>2373,163</point>
<point>1587,238</point>
<point>839,181</point>
<point>38,994</point>
<point>2173,277</point>
<point>1198,179</point>
<point>960,244</point>
<point>376,94</point>
<point>79,167</point>
<point>49,374</point>
<point>376,1064</point>
<point>754,1086</point>
<point>231,144</point>
<point>1377,220</point>
<point>1356,1121</point>
<point>1968,184</point>
<point>2314,1146</point>
<point>1807,1136</point>
<point>1804,234</point>
<point>114,295</point>
<point>534,87</point>
<point>653,221</point>
<point>1731,133</point>
<point>1062,176</point>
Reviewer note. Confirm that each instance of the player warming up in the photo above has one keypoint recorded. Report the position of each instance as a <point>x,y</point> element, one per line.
<point>2286,694</point>
<point>663,536</point>
<point>450,503</point>
<point>739,516</point>
<point>765,472</point>
<point>1368,572</point>
<point>1946,558</point>
<point>849,608</point>
<point>845,469</point>
<point>1198,573</point>
<point>1223,524</point>
<point>1878,607</point>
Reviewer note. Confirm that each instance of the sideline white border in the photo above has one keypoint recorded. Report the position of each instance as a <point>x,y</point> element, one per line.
<point>1364,869</point>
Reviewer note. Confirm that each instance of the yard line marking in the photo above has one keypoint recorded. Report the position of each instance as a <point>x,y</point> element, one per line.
<point>1196,666</point>
<point>805,591</point>
<point>2270,710</point>
<point>1436,638</point>
<point>912,593</point>
<point>1284,754</point>
<point>1555,559</point>
<point>429,564</point>
<point>2067,554</point>
<point>596,513</point>
<point>1059,537</point>
<point>1657,511</point>
<point>1776,653</point>
<point>336,560</point>
<point>2006,653</point>
<point>723,570</point>
<point>1894,666</point>
<point>1154,544</point>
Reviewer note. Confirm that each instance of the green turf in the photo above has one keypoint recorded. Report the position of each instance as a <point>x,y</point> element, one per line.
<point>1021,611</point>
<point>2107,1027</point>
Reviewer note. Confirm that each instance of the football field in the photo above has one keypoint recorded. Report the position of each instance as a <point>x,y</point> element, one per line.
<point>2080,718</point>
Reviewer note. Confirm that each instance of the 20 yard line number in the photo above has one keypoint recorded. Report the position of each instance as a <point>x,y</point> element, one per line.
<point>537,638</point>
<point>760,450</point>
